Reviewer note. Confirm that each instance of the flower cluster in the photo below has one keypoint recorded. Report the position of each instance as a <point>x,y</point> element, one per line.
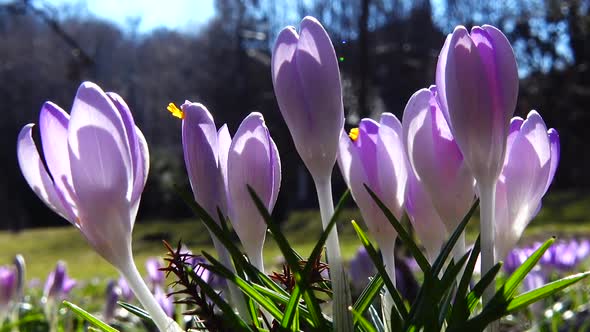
<point>458,141</point>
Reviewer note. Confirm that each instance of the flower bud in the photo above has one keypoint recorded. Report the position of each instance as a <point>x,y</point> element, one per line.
<point>477,81</point>
<point>253,160</point>
<point>306,81</point>
<point>532,155</point>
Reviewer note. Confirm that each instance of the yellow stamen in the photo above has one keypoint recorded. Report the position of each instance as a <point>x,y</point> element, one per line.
<point>354,134</point>
<point>175,111</point>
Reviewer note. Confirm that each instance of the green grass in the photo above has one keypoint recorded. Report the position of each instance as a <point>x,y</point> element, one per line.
<point>564,214</point>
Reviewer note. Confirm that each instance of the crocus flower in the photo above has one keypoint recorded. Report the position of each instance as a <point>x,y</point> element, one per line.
<point>126,292</point>
<point>374,155</point>
<point>477,81</point>
<point>8,283</point>
<point>58,285</point>
<point>306,81</point>
<point>532,155</point>
<point>155,275</point>
<point>164,301</point>
<point>253,160</point>
<point>205,156</point>
<point>113,293</point>
<point>361,269</point>
<point>97,165</point>
<point>436,159</point>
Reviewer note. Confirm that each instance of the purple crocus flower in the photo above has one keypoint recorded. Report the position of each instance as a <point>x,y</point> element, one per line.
<point>97,164</point>
<point>113,293</point>
<point>205,155</point>
<point>156,277</point>
<point>126,292</point>
<point>361,269</point>
<point>374,155</point>
<point>532,155</point>
<point>58,285</point>
<point>253,160</point>
<point>436,159</point>
<point>477,81</point>
<point>165,302</point>
<point>306,81</point>
<point>8,284</point>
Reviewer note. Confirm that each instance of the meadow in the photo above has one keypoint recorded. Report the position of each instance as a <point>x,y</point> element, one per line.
<point>564,215</point>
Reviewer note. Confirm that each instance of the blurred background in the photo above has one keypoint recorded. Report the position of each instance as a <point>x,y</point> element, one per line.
<point>217,52</point>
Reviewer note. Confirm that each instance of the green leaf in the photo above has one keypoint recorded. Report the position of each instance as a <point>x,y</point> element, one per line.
<point>400,307</point>
<point>88,317</point>
<point>362,321</point>
<point>219,269</point>
<point>521,272</point>
<point>534,295</point>
<point>448,247</point>
<point>228,313</point>
<point>282,299</point>
<point>475,294</point>
<point>368,295</point>
<point>460,311</point>
<point>293,263</point>
<point>240,261</point>
<point>401,232</point>
<point>138,312</point>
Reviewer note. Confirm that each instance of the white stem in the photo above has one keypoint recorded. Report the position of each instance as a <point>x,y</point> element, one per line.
<point>255,254</point>
<point>487,203</point>
<point>387,252</point>
<point>142,292</point>
<point>341,292</point>
<point>235,296</point>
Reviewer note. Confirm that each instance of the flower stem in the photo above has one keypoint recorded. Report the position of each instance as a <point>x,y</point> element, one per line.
<point>235,296</point>
<point>342,299</point>
<point>387,251</point>
<point>487,228</point>
<point>131,274</point>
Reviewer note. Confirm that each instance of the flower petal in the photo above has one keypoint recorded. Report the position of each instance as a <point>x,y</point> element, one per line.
<point>555,154</point>
<point>102,173</point>
<point>224,142</point>
<point>199,141</point>
<point>137,145</point>
<point>249,163</point>
<point>35,173</point>
<point>391,164</point>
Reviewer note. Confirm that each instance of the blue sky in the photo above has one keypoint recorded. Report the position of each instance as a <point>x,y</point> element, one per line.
<point>172,14</point>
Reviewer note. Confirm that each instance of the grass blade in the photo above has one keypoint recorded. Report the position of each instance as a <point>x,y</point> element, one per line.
<point>293,263</point>
<point>400,307</point>
<point>362,321</point>
<point>521,272</point>
<point>535,295</point>
<point>368,295</point>
<point>448,247</point>
<point>89,318</point>
<point>219,269</point>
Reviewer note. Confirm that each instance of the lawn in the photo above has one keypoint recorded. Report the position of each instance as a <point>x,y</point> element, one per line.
<point>564,214</point>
